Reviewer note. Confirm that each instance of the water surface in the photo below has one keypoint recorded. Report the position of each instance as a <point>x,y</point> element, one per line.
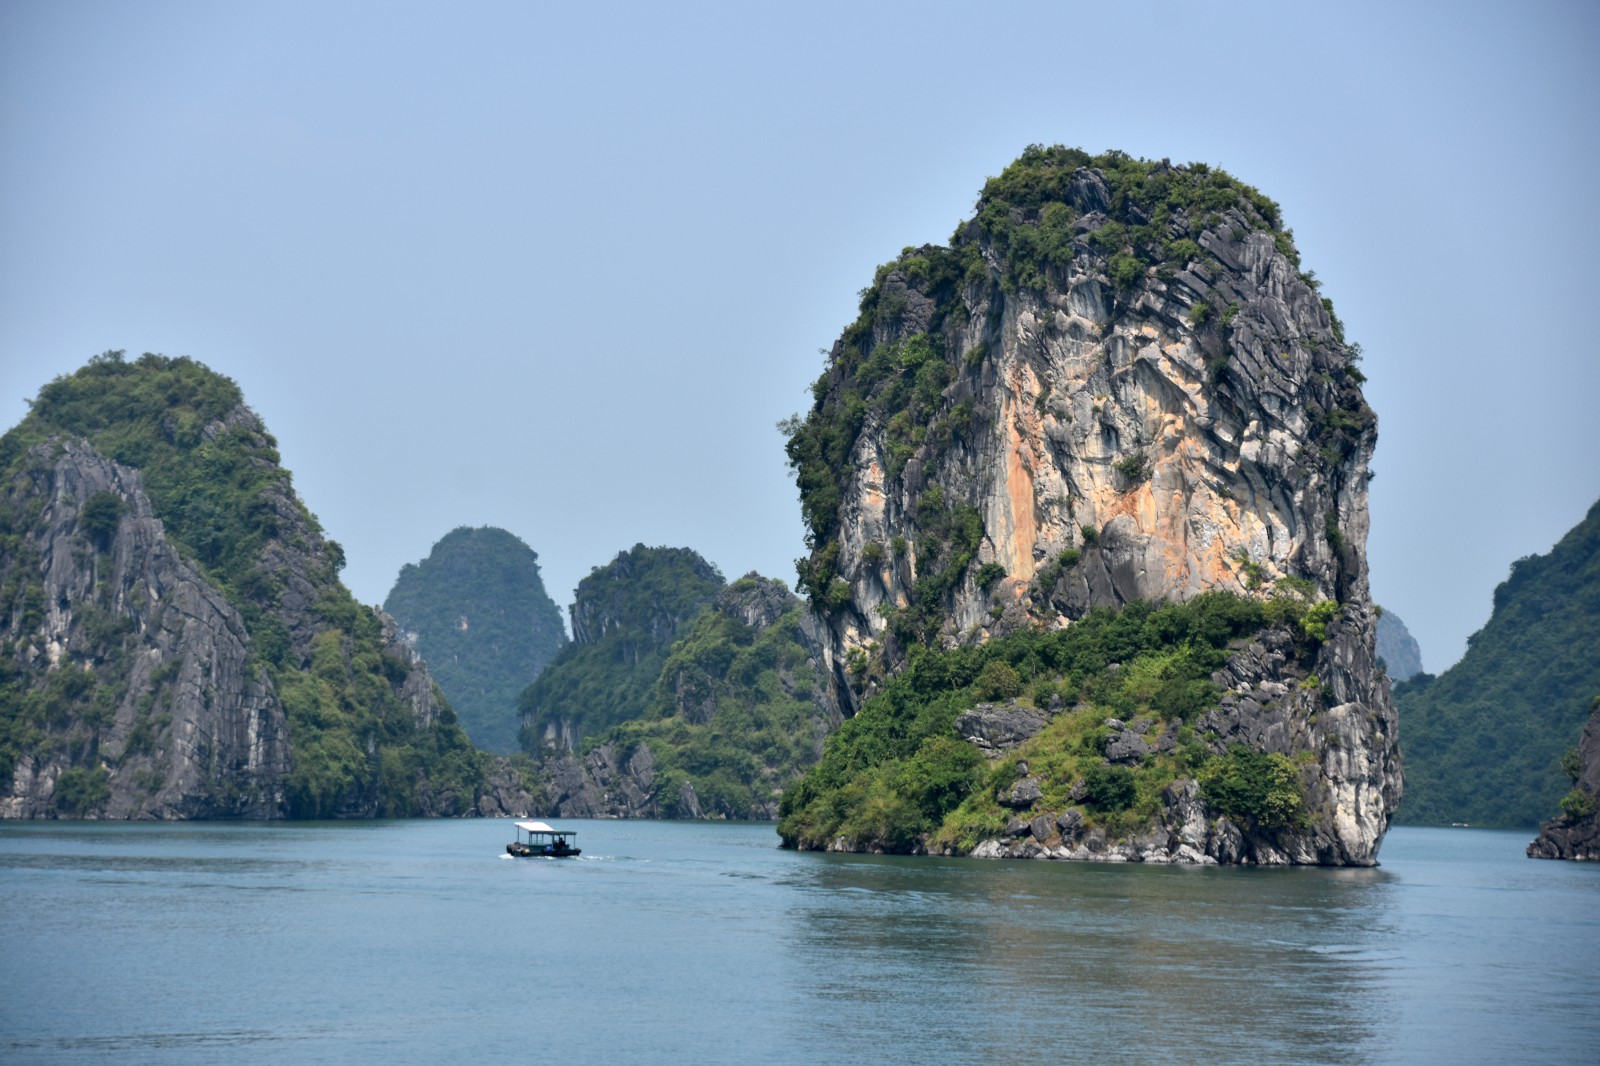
<point>704,943</point>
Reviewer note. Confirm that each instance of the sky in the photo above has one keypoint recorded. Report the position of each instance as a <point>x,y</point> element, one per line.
<point>561,268</point>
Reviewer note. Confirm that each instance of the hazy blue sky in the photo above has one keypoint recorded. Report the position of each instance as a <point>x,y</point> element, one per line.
<point>561,267</point>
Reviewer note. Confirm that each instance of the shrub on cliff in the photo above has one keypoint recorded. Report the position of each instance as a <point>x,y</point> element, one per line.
<point>1254,787</point>
<point>1578,805</point>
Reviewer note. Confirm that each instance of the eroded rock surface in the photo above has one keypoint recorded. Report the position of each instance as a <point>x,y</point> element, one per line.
<point>218,744</point>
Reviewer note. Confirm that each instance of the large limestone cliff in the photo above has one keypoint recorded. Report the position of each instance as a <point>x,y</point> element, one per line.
<point>174,639</point>
<point>1115,384</point>
<point>183,720</point>
<point>218,745</point>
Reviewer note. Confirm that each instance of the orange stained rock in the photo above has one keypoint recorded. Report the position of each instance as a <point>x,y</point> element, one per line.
<point>1020,501</point>
<point>872,488</point>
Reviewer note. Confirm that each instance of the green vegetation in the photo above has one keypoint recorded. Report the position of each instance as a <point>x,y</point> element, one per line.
<point>1483,740</point>
<point>79,791</point>
<point>717,683</point>
<point>356,741</point>
<point>1578,805</point>
<point>1134,467</point>
<point>484,624</point>
<point>899,385</point>
<point>998,680</point>
<point>209,488</point>
<point>1157,213</point>
<point>1317,619</point>
<point>626,618</point>
<point>1254,787</point>
<point>99,518</point>
<point>904,735</point>
<point>213,479</point>
<point>1572,758</point>
<point>1109,788</point>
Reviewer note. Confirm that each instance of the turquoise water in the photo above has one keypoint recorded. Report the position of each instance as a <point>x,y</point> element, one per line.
<point>703,943</point>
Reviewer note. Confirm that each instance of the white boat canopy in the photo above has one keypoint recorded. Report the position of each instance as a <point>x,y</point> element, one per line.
<point>540,827</point>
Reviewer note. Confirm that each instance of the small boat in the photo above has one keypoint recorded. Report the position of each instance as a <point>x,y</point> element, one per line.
<point>542,842</point>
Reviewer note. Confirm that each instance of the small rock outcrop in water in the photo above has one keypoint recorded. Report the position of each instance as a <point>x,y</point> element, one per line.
<point>1115,386</point>
<point>1576,834</point>
<point>174,639</point>
<point>477,611</point>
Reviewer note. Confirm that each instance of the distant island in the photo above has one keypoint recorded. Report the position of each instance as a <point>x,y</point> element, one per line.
<point>680,697</point>
<point>477,611</point>
<point>1484,739</point>
<point>1397,648</point>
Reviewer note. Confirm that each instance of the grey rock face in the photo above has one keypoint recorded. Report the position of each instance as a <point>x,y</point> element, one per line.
<point>1398,648</point>
<point>996,728</point>
<point>1126,746</point>
<point>197,733</point>
<point>1022,795</point>
<point>756,601</point>
<point>191,725</point>
<point>1348,730</point>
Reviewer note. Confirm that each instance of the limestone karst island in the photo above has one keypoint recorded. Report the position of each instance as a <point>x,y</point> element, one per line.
<point>1084,577</point>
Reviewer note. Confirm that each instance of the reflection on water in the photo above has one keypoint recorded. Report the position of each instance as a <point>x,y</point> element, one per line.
<point>690,943</point>
<point>1152,963</point>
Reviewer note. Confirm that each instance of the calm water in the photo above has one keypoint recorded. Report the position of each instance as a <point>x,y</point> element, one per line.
<point>692,943</point>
